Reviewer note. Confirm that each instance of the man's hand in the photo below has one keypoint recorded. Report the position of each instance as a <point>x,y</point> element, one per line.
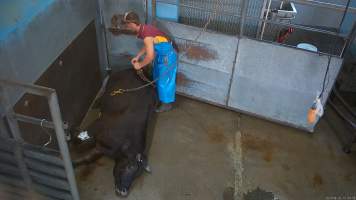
<point>135,59</point>
<point>136,65</point>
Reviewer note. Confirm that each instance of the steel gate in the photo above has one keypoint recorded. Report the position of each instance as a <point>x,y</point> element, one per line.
<point>29,171</point>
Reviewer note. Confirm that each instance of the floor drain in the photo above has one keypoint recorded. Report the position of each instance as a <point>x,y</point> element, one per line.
<point>259,194</point>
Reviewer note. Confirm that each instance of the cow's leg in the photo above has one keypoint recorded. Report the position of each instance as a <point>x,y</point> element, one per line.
<point>92,156</point>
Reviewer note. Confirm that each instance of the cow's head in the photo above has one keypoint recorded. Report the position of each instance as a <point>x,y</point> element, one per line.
<point>127,171</point>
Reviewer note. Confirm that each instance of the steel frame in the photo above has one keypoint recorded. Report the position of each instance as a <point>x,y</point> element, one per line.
<point>243,17</point>
<point>57,124</point>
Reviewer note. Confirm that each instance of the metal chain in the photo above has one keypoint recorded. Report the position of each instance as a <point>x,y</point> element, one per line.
<point>217,8</point>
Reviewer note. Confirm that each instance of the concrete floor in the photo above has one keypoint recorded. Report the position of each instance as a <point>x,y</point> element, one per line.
<point>202,152</point>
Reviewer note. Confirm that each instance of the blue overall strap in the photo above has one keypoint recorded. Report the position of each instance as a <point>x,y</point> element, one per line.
<point>165,69</point>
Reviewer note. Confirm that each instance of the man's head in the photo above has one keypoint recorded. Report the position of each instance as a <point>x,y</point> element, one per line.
<point>132,21</point>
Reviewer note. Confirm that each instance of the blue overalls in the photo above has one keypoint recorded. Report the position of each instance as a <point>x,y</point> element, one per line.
<point>165,69</point>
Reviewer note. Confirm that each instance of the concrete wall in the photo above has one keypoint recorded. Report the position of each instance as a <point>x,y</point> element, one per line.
<point>34,33</point>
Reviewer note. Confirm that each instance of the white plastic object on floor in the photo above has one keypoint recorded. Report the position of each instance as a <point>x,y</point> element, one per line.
<point>307,46</point>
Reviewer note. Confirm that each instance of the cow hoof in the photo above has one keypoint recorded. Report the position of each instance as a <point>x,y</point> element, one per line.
<point>121,192</point>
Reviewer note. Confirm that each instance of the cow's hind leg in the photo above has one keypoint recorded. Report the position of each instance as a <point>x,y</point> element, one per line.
<point>92,156</point>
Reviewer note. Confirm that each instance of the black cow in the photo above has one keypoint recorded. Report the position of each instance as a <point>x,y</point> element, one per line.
<point>120,132</point>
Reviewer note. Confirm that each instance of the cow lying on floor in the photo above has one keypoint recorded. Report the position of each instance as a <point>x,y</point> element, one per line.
<point>120,132</point>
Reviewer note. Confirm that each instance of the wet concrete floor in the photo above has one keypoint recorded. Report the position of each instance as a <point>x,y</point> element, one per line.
<point>201,152</point>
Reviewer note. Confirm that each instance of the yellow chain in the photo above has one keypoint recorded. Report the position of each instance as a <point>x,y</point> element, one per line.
<point>117,92</point>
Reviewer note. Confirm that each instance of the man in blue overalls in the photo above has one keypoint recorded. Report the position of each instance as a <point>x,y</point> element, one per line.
<point>159,49</point>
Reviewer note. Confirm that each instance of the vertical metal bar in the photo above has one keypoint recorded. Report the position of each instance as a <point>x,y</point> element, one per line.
<point>344,15</point>
<point>263,9</point>
<point>16,134</point>
<point>244,6</point>
<point>350,39</point>
<point>146,11</point>
<point>266,17</point>
<point>101,39</point>
<point>3,132</point>
<point>154,9</point>
<point>62,143</point>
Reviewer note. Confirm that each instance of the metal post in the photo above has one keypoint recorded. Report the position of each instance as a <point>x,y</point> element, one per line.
<point>3,132</point>
<point>154,7</point>
<point>350,39</point>
<point>57,120</point>
<point>244,6</point>
<point>266,17</point>
<point>101,39</point>
<point>344,15</point>
<point>16,134</point>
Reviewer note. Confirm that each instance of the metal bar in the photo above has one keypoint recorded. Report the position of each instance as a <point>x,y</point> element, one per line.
<point>266,17</point>
<point>337,7</point>
<point>33,120</point>
<point>46,168</point>
<point>16,134</point>
<point>51,192</point>
<point>346,105</point>
<point>263,9</point>
<point>3,130</point>
<point>307,28</point>
<point>146,11</point>
<point>154,9</point>
<point>33,89</point>
<point>62,143</point>
<point>101,38</point>
<point>8,158</point>
<point>342,115</point>
<point>244,5</point>
<point>6,168</point>
<point>7,145</point>
<point>344,15</point>
<point>98,95</point>
<point>43,157</point>
<point>351,38</point>
<point>50,181</point>
<point>13,181</point>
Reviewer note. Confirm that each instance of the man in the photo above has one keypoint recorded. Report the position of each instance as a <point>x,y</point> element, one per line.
<point>159,49</point>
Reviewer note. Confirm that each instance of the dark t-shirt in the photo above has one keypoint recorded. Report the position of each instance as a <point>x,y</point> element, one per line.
<point>148,30</point>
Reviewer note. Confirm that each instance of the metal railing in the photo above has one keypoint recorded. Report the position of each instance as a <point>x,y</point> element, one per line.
<point>240,16</point>
<point>23,155</point>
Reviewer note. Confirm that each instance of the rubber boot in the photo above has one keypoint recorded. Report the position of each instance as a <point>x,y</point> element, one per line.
<point>164,107</point>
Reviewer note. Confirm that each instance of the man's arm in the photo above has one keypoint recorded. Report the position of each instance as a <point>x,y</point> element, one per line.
<point>138,56</point>
<point>150,54</point>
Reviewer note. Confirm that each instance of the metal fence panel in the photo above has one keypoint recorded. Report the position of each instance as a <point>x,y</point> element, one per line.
<point>41,172</point>
<point>279,83</point>
<point>227,17</point>
<point>205,70</point>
